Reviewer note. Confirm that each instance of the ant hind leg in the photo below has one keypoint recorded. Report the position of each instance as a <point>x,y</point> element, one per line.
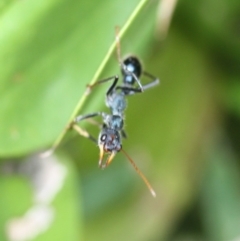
<point>111,88</point>
<point>155,81</point>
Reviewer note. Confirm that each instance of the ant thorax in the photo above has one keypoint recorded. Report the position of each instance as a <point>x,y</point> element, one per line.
<point>117,103</point>
<point>113,121</point>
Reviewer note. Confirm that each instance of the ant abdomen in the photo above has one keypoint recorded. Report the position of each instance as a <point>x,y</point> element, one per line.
<point>131,67</point>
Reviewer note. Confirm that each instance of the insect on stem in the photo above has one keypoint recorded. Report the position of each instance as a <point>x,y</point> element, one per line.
<point>109,139</point>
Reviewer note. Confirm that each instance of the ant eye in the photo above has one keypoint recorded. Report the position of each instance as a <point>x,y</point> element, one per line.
<point>103,137</point>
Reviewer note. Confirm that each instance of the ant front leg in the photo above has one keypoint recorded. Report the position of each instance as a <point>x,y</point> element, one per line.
<point>82,132</point>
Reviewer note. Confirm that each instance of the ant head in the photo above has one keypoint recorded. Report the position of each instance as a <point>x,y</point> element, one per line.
<point>131,66</point>
<point>109,141</point>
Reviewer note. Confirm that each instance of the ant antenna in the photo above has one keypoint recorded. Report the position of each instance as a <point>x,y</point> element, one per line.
<point>140,173</point>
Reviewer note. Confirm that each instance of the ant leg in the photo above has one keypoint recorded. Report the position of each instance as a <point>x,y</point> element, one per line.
<point>115,80</point>
<point>83,117</point>
<point>93,122</point>
<point>151,84</point>
<point>124,134</point>
<point>80,130</point>
<point>84,133</point>
<point>104,116</point>
<point>129,90</point>
<point>132,91</point>
<point>110,90</point>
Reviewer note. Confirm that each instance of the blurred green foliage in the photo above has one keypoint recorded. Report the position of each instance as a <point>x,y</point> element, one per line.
<point>184,134</point>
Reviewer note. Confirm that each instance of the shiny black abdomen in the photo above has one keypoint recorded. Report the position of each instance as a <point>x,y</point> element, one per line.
<point>132,65</point>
